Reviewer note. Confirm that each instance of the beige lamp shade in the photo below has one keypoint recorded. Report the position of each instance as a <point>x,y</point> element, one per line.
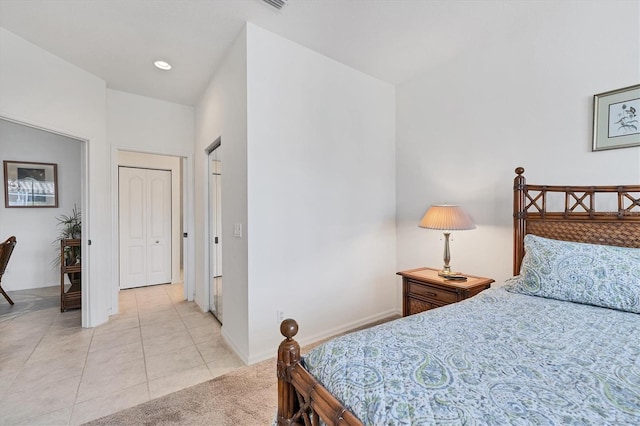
<point>446,217</point>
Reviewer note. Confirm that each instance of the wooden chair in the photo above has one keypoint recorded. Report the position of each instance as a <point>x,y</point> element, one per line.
<point>5,253</point>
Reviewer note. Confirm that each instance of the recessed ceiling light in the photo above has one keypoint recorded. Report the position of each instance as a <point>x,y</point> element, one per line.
<point>165,66</point>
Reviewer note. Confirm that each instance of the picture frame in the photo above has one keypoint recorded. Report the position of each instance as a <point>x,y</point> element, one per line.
<point>616,119</point>
<point>30,184</point>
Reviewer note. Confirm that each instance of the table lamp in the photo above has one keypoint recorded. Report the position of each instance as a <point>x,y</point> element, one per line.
<point>447,218</point>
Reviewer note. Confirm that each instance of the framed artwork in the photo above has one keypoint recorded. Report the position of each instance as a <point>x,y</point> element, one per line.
<point>30,184</point>
<point>616,122</point>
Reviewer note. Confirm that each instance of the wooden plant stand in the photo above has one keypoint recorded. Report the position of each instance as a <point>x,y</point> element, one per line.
<point>72,298</point>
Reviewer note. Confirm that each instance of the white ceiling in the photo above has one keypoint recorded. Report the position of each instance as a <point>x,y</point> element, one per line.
<point>118,40</point>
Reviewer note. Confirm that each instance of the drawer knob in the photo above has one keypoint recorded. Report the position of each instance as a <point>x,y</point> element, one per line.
<point>431,294</point>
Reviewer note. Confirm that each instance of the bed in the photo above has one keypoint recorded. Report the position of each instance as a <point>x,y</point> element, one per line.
<point>557,344</point>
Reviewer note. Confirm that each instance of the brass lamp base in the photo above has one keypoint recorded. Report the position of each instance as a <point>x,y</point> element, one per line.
<point>446,269</point>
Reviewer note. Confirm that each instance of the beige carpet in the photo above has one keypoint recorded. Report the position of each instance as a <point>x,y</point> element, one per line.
<point>247,396</point>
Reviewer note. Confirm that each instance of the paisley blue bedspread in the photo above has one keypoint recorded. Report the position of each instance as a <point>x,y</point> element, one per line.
<point>496,359</point>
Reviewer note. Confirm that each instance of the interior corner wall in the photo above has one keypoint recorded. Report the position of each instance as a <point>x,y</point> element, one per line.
<point>222,113</point>
<point>33,263</point>
<point>43,90</point>
<point>321,193</point>
<point>525,100</point>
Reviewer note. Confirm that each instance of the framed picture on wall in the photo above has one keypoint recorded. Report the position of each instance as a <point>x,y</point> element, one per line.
<point>616,122</point>
<point>30,184</point>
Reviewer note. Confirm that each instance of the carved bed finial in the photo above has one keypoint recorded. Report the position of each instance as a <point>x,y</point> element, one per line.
<point>289,328</point>
<point>519,170</point>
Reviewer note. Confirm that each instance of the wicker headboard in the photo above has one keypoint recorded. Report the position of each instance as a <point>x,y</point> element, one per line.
<point>575,216</point>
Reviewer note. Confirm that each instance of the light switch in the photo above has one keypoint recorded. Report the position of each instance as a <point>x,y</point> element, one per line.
<point>237,230</point>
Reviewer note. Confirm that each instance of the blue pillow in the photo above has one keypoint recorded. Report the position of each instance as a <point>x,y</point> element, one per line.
<point>591,274</point>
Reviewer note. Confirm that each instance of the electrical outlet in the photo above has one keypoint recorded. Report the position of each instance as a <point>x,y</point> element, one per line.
<point>279,316</point>
<point>237,230</point>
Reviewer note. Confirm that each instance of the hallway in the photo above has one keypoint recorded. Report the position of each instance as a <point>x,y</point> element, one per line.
<point>53,372</point>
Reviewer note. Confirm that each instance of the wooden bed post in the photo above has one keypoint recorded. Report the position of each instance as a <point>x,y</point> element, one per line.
<point>519,213</point>
<point>288,355</point>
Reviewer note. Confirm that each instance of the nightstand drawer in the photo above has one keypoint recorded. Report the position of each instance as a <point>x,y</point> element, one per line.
<point>416,306</point>
<point>433,293</point>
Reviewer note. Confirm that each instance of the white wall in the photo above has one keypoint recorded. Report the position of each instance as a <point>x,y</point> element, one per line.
<point>222,112</point>
<point>149,126</point>
<point>526,100</point>
<point>37,228</point>
<point>308,170</point>
<point>321,193</point>
<point>46,91</point>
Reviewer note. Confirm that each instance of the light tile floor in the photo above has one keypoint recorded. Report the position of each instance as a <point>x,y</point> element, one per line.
<point>54,372</point>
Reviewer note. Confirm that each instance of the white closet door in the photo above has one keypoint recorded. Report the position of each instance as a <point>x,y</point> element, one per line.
<point>145,227</point>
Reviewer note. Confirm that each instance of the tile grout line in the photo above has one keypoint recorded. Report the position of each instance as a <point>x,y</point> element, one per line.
<point>44,334</point>
<point>142,338</point>
<point>144,355</point>
<point>173,305</point>
<point>27,359</point>
<point>213,375</point>
<point>195,344</point>
<point>86,361</point>
<point>84,366</point>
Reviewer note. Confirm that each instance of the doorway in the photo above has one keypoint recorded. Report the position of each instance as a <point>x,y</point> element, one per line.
<point>35,227</point>
<point>215,228</point>
<point>145,226</point>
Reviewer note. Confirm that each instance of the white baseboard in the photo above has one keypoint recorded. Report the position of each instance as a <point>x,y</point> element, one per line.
<point>235,348</point>
<point>327,334</point>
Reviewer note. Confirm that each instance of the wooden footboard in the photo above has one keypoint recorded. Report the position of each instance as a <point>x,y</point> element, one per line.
<point>302,400</point>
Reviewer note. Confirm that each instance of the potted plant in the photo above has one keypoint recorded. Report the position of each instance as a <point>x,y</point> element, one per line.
<point>70,228</point>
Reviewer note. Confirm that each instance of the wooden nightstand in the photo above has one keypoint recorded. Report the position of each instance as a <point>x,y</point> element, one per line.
<point>423,289</point>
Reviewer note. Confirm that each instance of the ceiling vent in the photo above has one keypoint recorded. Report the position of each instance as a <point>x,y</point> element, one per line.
<point>278,4</point>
